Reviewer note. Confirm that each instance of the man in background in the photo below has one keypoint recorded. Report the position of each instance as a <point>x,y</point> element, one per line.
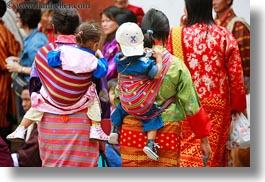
<point>9,46</point>
<point>28,154</point>
<point>226,17</point>
<point>138,11</point>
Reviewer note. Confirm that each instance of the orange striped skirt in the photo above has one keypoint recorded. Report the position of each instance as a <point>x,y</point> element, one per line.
<point>133,140</point>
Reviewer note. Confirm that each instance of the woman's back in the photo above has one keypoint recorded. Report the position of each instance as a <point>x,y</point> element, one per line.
<point>211,54</point>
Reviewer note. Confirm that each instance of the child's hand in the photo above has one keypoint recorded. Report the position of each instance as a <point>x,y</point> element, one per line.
<point>157,54</point>
<point>99,54</point>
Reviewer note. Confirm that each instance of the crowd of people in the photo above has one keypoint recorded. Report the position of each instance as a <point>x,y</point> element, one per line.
<point>130,89</point>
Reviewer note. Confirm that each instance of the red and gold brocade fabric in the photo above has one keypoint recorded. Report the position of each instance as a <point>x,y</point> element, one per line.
<point>242,36</point>
<point>213,59</point>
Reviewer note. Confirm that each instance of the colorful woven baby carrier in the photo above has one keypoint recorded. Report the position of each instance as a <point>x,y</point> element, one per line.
<point>138,92</point>
<point>65,88</point>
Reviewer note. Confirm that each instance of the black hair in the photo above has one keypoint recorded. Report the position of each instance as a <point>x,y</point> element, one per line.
<point>88,32</point>
<point>66,20</point>
<point>25,87</point>
<point>126,15</point>
<point>2,8</point>
<point>199,11</point>
<point>31,17</point>
<point>111,12</point>
<point>112,83</point>
<point>155,25</point>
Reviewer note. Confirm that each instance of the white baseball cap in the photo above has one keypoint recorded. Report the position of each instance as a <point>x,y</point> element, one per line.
<point>131,39</point>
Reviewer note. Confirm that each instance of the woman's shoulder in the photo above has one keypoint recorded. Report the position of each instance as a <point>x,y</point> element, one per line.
<point>176,63</point>
<point>177,66</point>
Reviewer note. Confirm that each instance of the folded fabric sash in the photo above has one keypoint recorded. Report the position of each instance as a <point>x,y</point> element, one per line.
<point>138,93</point>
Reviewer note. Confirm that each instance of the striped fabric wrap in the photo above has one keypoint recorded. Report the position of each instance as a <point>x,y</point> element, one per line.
<point>138,93</point>
<point>64,141</point>
<point>65,88</point>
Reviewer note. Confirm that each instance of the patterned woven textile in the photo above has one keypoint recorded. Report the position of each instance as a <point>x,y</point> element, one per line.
<point>138,93</point>
<point>215,67</point>
<point>169,142</point>
<point>64,141</point>
<point>63,87</point>
<point>217,111</point>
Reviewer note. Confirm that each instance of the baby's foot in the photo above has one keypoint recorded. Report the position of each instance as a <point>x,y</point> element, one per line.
<point>97,133</point>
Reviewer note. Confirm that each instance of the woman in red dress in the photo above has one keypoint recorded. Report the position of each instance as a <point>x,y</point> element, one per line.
<point>212,56</point>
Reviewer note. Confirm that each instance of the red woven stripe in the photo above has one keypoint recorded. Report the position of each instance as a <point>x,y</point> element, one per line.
<point>63,132</point>
<point>71,163</point>
<point>79,86</point>
<point>76,151</point>
<point>135,103</point>
<point>79,153</point>
<point>57,82</point>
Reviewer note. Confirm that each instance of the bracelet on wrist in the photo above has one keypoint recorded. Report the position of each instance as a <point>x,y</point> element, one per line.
<point>23,69</point>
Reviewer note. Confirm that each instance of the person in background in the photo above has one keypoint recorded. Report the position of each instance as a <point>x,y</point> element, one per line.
<point>113,150</point>
<point>126,15</point>
<point>28,154</point>
<point>226,17</point>
<point>9,46</point>
<point>109,26</point>
<point>109,49</point>
<point>10,21</point>
<point>5,155</point>
<point>46,24</point>
<point>33,40</point>
<point>178,99</point>
<point>28,21</point>
<point>212,56</point>
<point>138,11</point>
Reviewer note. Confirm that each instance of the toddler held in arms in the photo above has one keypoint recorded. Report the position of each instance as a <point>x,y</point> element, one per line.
<point>139,77</point>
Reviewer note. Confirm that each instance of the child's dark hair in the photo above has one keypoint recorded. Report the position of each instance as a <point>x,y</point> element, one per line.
<point>88,32</point>
<point>31,17</point>
<point>155,25</point>
<point>112,83</point>
<point>111,12</point>
<point>126,15</point>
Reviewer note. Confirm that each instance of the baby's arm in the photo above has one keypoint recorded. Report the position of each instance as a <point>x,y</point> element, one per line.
<point>158,56</point>
<point>30,117</point>
<point>102,67</point>
<point>25,123</point>
<point>99,54</point>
